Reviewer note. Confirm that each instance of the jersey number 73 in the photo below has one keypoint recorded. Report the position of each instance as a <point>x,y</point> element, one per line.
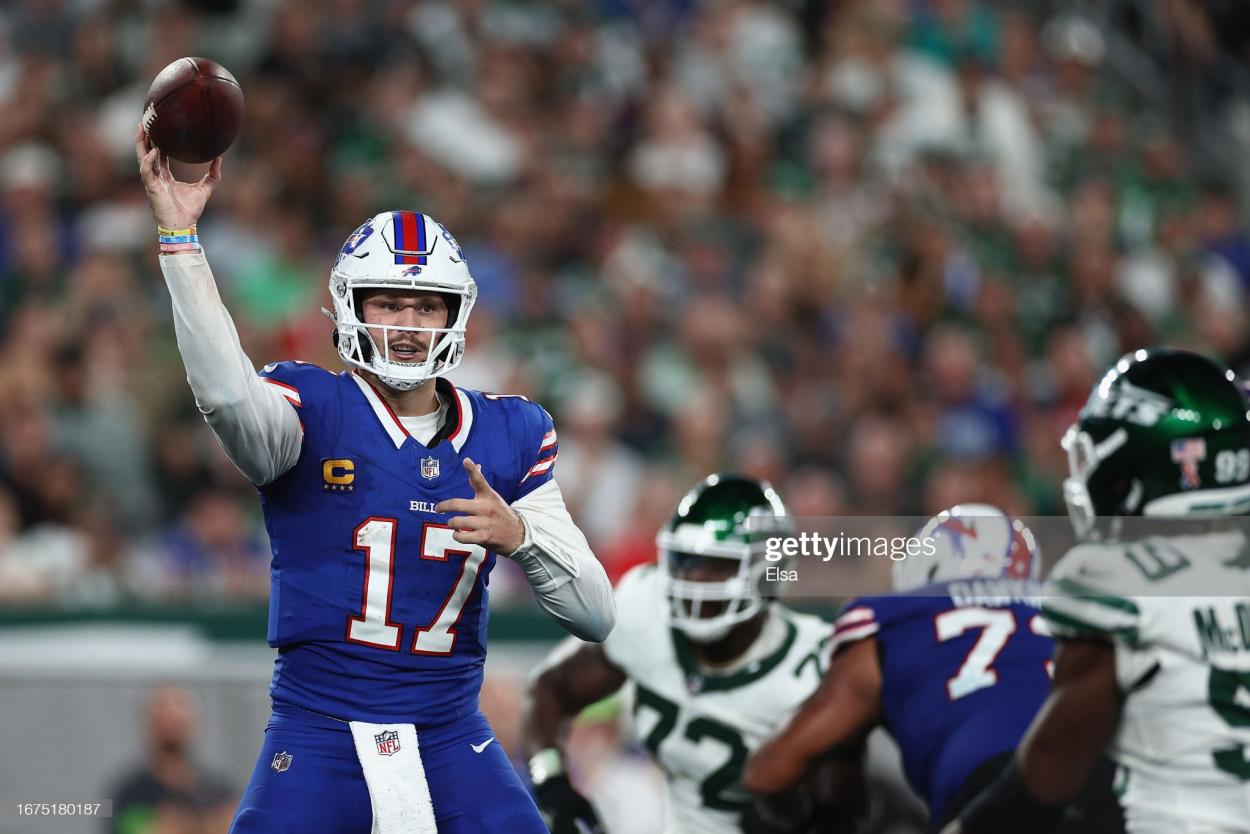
<point>996,625</point>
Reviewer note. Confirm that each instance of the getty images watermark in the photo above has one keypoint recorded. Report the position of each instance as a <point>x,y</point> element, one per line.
<point>837,558</point>
<point>814,545</point>
<point>849,556</point>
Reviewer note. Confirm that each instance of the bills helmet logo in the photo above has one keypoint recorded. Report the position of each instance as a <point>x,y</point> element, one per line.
<point>357,237</point>
<point>1189,452</point>
<point>388,742</point>
<point>429,468</point>
<point>455,247</point>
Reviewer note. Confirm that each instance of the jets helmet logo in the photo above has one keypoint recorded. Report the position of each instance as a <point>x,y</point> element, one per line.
<point>1129,403</point>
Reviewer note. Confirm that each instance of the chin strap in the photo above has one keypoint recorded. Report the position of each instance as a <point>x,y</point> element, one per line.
<point>401,384</point>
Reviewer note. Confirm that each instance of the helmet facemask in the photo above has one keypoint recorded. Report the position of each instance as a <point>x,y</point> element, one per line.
<point>707,610</point>
<point>368,346</point>
<point>1085,456</point>
<point>712,554</point>
<point>400,252</point>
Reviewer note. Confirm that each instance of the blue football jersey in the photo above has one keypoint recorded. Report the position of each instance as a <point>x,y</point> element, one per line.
<point>377,613</point>
<point>965,665</point>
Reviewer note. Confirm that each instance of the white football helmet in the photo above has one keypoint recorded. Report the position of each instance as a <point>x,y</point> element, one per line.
<point>401,250</point>
<point>970,540</point>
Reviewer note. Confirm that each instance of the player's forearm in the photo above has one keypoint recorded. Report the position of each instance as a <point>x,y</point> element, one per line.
<point>547,712</point>
<point>1060,749</point>
<point>544,719</point>
<point>568,581</point>
<point>836,718</point>
<point>583,604</point>
<point>257,428</point>
<point>574,676</point>
<point>777,766</point>
<point>1075,724</point>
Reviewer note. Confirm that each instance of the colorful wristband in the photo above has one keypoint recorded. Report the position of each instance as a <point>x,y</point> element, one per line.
<point>177,240</point>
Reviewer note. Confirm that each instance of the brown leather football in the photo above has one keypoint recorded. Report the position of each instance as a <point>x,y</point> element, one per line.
<point>193,110</point>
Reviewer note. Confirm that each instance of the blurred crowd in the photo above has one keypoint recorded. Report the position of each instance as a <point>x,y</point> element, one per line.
<point>169,791</point>
<point>876,252</point>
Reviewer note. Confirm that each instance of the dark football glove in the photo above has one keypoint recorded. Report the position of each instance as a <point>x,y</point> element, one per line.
<point>776,817</point>
<point>564,810</point>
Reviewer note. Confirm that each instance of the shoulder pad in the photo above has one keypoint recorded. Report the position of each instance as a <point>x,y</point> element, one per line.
<point>639,607</point>
<point>1087,594</point>
<point>293,378</point>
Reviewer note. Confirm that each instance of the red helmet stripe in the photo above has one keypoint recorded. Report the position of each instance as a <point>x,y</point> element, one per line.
<point>409,236</point>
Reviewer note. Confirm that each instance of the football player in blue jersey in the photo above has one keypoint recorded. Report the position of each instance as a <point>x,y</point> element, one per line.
<point>388,494</point>
<point>954,665</point>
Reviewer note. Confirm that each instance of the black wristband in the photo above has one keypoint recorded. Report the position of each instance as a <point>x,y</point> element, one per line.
<point>1008,805</point>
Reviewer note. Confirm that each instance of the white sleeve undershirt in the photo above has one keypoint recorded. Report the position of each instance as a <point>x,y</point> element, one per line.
<point>261,433</point>
<point>257,427</point>
<point>570,583</point>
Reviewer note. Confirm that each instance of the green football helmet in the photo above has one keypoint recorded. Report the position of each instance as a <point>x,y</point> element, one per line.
<point>712,554</point>
<point>1165,433</point>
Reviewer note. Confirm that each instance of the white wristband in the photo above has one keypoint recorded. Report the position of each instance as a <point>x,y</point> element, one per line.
<point>545,764</point>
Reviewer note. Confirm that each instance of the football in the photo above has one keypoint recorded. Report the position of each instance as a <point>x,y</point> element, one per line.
<point>193,110</point>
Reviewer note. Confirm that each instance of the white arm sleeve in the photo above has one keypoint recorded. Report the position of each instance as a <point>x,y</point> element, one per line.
<point>257,427</point>
<point>568,580</point>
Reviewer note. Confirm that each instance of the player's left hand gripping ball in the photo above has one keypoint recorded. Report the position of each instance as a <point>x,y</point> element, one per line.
<point>485,519</point>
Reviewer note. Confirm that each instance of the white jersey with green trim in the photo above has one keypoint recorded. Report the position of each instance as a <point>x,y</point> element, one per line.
<point>701,727</point>
<point>1178,611</point>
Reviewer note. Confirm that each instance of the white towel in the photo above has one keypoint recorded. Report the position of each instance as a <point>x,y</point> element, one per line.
<point>391,760</point>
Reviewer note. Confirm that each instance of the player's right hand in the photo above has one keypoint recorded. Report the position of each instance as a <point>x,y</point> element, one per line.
<point>789,814</point>
<point>175,205</point>
<point>564,810</point>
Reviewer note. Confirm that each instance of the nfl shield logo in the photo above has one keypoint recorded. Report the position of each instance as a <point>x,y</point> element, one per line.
<point>429,468</point>
<point>281,761</point>
<point>388,742</point>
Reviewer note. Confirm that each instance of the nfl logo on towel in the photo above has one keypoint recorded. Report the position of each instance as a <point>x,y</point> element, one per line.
<point>429,468</point>
<point>388,742</point>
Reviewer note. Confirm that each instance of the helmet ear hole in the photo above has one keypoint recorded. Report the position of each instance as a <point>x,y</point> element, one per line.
<point>453,307</point>
<point>1114,488</point>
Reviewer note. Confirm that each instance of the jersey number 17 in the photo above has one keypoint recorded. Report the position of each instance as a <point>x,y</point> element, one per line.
<point>375,536</point>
